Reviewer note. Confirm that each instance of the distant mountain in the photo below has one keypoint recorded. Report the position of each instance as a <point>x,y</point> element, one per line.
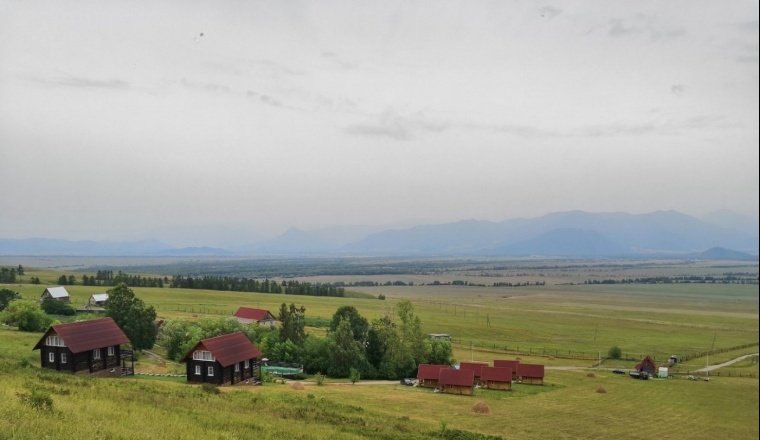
<point>731,220</point>
<point>46,246</point>
<point>202,251</point>
<point>719,253</point>
<point>564,242</point>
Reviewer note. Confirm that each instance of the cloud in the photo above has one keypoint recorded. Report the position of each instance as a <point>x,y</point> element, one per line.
<point>395,126</point>
<point>641,25</point>
<point>549,12</point>
<point>677,89</point>
<point>82,83</point>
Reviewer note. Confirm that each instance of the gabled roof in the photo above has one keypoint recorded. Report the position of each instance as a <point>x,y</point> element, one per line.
<point>473,366</point>
<point>530,370</point>
<point>430,371</point>
<point>461,378</point>
<point>504,363</point>
<point>99,297</point>
<point>255,314</point>
<point>496,374</point>
<point>647,360</point>
<point>83,336</point>
<point>57,292</point>
<point>227,349</point>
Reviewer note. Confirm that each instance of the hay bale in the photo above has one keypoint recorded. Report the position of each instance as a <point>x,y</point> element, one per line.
<point>518,358</point>
<point>481,408</point>
<point>551,358</point>
<point>297,386</point>
<point>601,390</point>
<point>591,375</point>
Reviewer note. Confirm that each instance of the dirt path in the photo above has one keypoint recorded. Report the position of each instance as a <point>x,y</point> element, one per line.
<point>732,361</point>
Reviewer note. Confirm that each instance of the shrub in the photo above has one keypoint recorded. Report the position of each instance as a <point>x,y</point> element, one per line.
<point>354,375</point>
<point>319,378</point>
<point>56,307</point>
<point>210,389</point>
<point>36,399</point>
<point>615,352</point>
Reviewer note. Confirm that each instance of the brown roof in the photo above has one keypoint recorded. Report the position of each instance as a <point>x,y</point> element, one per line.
<point>430,371</point>
<point>496,374</point>
<point>504,363</point>
<point>255,314</point>
<point>647,360</point>
<point>473,366</point>
<point>83,336</point>
<point>461,378</point>
<point>227,349</point>
<point>530,370</point>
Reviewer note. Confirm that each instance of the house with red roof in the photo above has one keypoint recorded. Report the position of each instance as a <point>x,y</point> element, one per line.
<point>475,367</point>
<point>453,381</point>
<point>427,374</point>
<point>496,378</point>
<point>530,374</point>
<point>507,363</point>
<point>92,347</point>
<point>223,360</point>
<point>647,365</point>
<point>247,315</point>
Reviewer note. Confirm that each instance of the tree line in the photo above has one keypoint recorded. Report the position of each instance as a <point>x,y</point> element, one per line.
<point>238,284</point>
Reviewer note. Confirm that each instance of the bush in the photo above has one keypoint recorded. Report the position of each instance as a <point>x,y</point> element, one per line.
<point>209,388</point>
<point>55,307</point>
<point>354,375</point>
<point>36,399</point>
<point>615,352</point>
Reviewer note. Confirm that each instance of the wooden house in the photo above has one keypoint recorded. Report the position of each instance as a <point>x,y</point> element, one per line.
<point>427,374</point>
<point>530,374</point>
<point>456,381</point>
<point>647,366</point>
<point>58,293</point>
<point>506,363</point>
<point>223,360</point>
<point>475,367</point>
<point>247,315</point>
<point>98,299</point>
<point>92,346</point>
<point>496,378</point>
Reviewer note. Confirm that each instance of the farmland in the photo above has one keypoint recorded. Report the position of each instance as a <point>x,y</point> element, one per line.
<point>556,319</point>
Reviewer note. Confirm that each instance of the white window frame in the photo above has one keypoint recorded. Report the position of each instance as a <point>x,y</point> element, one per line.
<point>197,370</point>
<point>63,358</point>
<point>246,363</point>
<point>210,371</point>
<point>237,367</point>
<point>96,353</point>
<point>111,351</point>
<point>51,357</point>
<point>203,355</point>
<point>54,341</point>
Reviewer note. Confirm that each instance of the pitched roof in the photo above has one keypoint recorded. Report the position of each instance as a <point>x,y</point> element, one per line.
<point>227,349</point>
<point>496,374</point>
<point>473,366</point>
<point>255,314</point>
<point>530,370</point>
<point>640,366</point>
<point>504,363</point>
<point>57,292</point>
<point>430,371</point>
<point>462,378</point>
<point>83,336</point>
<point>99,296</point>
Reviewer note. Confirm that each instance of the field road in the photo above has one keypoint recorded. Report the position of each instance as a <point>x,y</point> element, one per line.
<point>716,366</point>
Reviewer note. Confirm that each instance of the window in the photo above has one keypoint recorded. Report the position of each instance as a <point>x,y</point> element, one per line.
<point>246,363</point>
<point>54,341</point>
<point>202,355</point>
<point>210,371</point>
<point>237,367</point>
<point>111,351</point>
<point>63,358</point>
<point>51,357</point>
<point>96,353</point>
<point>198,370</point>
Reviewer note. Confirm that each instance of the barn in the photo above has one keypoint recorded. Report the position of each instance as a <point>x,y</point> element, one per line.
<point>98,299</point>
<point>247,315</point>
<point>507,363</point>
<point>428,374</point>
<point>530,374</point>
<point>223,360</point>
<point>92,347</point>
<point>496,378</point>
<point>647,366</point>
<point>58,293</point>
<point>475,367</point>
<point>457,381</point>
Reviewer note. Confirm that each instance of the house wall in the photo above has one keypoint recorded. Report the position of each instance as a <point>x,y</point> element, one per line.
<point>222,375</point>
<point>204,377</point>
<point>532,380</point>
<point>428,383</point>
<point>454,389</point>
<point>494,385</point>
<point>45,351</point>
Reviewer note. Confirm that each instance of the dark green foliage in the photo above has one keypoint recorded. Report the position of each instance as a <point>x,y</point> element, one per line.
<point>6,296</point>
<point>615,352</point>
<point>178,336</point>
<point>458,434</point>
<point>293,322</point>
<point>63,280</point>
<point>131,314</point>
<point>359,324</point>
<point>36,399</point>
<point>210,389</point>
<point>7,275</point>
<point>26,315</point>
<point>441,352</point>
<point>56,307</point>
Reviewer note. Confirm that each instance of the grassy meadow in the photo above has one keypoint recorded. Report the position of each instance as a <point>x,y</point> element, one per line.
<point>561,324</point>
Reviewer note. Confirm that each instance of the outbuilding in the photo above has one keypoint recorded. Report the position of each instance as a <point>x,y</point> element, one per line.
<point>530,374</point>
<point>475,367</point>
<point>98,299</point>
<point>247,315</point>
<point>58,293</point>
<point>428,374</point>
<point>507,363</point>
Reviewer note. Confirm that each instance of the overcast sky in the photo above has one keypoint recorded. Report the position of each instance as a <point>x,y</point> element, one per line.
<point>121,119</point>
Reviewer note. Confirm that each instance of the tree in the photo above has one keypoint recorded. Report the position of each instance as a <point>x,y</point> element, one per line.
<point>441,352</point>
<point>615,352</point>
<point>26,315</point>
<point>56,307</point>
<point>20,270</point>
<point>346,353</point>
<point>130,313</point>
<point>63,280</point>
<point>6,296</point>
<point>293,323</point>
<point>359,325</point>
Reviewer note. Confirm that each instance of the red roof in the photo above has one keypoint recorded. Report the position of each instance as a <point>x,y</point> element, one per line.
<point>530,370</point>
<point>461,378</point>
<point>430,371</point>
<point>83,336</point>
<point>227,349</point>
<point>647,360</point>
<point>504,363</point>
<point>472,366</point>
<point>496,374</point>
<point>255,314</point>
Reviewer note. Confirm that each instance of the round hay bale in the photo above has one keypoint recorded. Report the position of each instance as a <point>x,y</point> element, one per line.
<point>518,358</point>
<point>551,358</point>
<point>601,390</point>
<point>297,386</point>
<point>481,408</point>
<point>591,375</point>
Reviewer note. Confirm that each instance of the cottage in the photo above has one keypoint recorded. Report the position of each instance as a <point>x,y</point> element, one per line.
<point>475,367</point>
<point>444,336</point>
<point>456,381</point>
<point>223,360</point>
<point>247,315</point>
<point>647,366</point>
<point>505,363</point>
<point>58,293</point>
<point>427,374</point>
<point>496,378</point>
<point>530,374</point>
<point>98,299</point>
<point>85,347</point>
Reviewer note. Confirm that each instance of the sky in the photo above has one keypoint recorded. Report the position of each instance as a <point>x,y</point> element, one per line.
<point>129,120</point>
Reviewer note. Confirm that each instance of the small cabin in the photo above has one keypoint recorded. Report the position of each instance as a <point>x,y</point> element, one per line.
<point>428,374</point>
<point>453,381</point>
<point>647,366</point>
<point>444,336</point>
<point>507,363</point>
<point>98,299</point>
<point>58,293</point>
<point>532,374</point>
<point>92,347</point>
<point>223,360</point>
<point>475,367</point>
<point>247,315</point>
<point>496,378</point>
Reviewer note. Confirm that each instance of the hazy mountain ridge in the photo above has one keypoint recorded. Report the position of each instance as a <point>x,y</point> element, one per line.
<point>561,234</point>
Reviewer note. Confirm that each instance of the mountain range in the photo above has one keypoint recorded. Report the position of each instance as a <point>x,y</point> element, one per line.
<point>722,235</point>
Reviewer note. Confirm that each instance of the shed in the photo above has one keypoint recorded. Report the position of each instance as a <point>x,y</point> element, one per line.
<point>247,315</point>
<point>456,381</point>
<point>530,374</point>
<point>475,367</point>
<point>226,359</point>
<point>647,366</point>
<point>662,372</point>
<point>92,346</point>
<point>496,378</point>
<point>58,293</point>
<point>428,374</point>
<point>507,363</point>
<point>98,299</point>
<point>445,336</point>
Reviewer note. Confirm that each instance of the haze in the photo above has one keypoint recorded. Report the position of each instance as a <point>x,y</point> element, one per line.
<point>120,120</point>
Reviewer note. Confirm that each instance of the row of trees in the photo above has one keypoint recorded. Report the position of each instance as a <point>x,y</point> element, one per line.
<point>108,278</point>
<point>236,284</point>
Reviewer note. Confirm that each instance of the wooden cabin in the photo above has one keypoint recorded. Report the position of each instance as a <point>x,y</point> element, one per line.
<point>475,367</point>
<point>427,374</point>
<point>507,363</point>
<point>57,293</point>
<point>530,374</point>
<point>92,347</point>
<point>247,315</point>
<point>460,381</point>
<point>223,360</point>
<point>98,299</point>
<point>647,366</point>
<point>496,378</point>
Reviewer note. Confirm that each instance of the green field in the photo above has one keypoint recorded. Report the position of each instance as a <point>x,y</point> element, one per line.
<point>565,327</point>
